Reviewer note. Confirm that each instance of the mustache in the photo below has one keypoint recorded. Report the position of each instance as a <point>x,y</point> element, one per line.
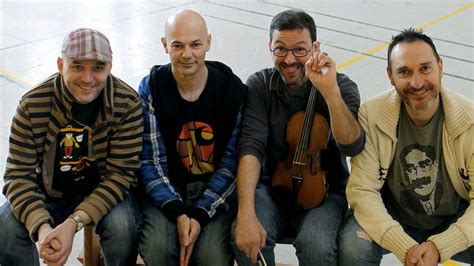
<point>425,180</point>
<point>425,87</point>
<point>295,64</point>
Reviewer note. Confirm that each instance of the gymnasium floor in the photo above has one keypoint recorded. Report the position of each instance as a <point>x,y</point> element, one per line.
<point>353,32</point>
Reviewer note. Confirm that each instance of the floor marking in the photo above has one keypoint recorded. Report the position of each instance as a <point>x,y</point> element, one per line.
<point>385,45</point>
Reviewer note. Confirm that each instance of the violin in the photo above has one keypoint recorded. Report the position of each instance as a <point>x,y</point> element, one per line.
<point>300,177</point>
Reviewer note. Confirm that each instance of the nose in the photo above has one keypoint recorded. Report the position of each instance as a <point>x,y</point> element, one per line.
<point>417,81</point>
<point>290,57</point>
<point>87,76</point>
<point>187,52</point>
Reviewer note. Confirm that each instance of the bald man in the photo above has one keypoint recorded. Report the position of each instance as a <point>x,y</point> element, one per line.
<point>192,121</point>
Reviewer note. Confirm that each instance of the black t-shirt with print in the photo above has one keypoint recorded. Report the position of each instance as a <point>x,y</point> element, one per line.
<point>76,171</point>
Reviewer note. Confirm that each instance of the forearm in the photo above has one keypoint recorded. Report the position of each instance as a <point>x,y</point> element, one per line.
<point>248,174</point>
<point>345,128</point>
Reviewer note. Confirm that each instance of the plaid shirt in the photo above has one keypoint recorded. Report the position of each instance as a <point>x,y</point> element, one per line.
<point>154,169</point>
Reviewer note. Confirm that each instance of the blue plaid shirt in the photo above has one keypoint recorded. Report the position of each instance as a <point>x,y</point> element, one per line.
<point>154,169</point>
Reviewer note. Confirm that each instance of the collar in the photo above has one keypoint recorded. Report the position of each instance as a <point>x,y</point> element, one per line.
<point>457,120</point>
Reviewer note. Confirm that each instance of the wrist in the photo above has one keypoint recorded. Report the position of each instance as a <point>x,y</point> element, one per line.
<point>434,247</point>
<point>76,221</point>
<point>43,228</point>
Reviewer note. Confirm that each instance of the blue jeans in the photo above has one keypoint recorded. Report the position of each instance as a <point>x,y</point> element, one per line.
<point>356,247</point>
<point>159,243</point>
<point>316,231</point>
<point>17,248</point>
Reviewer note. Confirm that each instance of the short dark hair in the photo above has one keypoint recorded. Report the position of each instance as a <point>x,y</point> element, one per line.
<point>293,19</point>
<point>410,35</point>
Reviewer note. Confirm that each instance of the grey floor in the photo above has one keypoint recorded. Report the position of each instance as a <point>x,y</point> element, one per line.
<point>353,32</point>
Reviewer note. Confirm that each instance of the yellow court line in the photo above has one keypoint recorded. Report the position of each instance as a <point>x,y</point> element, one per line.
<point>451,263</point>
<point>14,77</point>
<point>385,45</point>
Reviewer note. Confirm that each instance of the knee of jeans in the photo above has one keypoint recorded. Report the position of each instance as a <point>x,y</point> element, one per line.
<point>212,254</point>
<point>157,249</point>
<point>354,244</point>
<point>11,229</point>
<point>316,246</point>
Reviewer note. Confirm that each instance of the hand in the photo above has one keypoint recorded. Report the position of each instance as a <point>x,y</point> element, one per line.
<point>188,231</point>
<point>250,236</point>
<point>425,254</point>
<point>60,240</point>
<point>50,249</point>
<point>321,71</point>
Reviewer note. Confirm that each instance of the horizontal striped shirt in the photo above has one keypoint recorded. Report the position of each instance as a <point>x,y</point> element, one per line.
<point>116,138</point>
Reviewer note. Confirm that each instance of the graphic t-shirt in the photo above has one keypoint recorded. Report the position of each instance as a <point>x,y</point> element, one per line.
<point>418,187</point>
<point>76,170</point>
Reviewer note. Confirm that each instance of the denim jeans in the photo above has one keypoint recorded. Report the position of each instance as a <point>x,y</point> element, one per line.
<point>316,231</point>
<point>159,243</point>
<point>356,247</point>
<point>118,247</point>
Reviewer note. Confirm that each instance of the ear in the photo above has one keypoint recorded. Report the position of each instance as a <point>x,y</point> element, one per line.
<point>209,38</point>
<point>440,68</point>
<point>165,45</point>
<point>60,63</point>
<point>316,47</point>
<point>389,75</point>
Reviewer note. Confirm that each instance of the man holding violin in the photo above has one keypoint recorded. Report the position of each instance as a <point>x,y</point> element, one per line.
<point>302,76</point>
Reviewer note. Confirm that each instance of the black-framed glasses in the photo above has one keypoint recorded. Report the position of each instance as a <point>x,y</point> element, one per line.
<point>297,52</point>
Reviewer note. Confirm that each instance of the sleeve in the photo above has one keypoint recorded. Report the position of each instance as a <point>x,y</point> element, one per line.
<point>254,134</point>
<point>21,188</point>
<point>222,183</point>
<point>350,95</point>
<point>122,162</point>
<point>154,169</point>
<point>364,197</point>
<point>460,235</point>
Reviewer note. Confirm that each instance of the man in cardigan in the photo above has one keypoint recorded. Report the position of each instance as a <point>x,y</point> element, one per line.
<point>191,111</point>
<point>74,146</point>
<point>412,188</point>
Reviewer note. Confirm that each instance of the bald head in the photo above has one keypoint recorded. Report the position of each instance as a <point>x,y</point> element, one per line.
<point>187,41</point>
<point>186,19</point>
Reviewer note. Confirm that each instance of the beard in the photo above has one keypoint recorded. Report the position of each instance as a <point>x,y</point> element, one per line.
<point>295,79</point>
<point>427,104</point>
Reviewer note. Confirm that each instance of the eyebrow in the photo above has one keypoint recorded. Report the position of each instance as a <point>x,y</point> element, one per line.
<point>280,42</point>
<point>79,62</point>
<point>428,63</point>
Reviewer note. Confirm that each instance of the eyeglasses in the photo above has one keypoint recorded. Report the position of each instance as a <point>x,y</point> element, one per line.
<point>297,52</point>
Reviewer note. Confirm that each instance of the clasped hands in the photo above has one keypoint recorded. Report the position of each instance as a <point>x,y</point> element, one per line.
<point>188,233</point>
<point>54,245</point>
<point>424,254</point>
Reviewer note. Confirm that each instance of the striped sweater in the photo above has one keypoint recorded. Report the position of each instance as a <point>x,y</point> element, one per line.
<point>117,143</point>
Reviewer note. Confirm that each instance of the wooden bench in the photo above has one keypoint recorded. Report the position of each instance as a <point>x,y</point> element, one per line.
<point>90,253</point>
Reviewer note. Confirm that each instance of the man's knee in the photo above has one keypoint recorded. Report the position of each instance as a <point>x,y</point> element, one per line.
<point>122,218</point>
<point>355,243</point>
<point>16,246</point>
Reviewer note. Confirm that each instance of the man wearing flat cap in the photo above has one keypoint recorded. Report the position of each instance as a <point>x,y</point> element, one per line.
<point>74,146</point>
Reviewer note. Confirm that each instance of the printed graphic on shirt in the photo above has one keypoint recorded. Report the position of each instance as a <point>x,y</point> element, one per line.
<point>73,158</point>
<point>422,192</point>
<point>195,146</point>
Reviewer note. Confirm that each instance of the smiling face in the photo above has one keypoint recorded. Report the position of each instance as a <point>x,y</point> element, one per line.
<point>291,68</point>
<point>84,79</point>
<point>416,74</point>
<point>187,42</point>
